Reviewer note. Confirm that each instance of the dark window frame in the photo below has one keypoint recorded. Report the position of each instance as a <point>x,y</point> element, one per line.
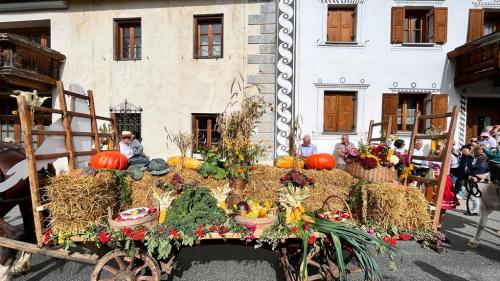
<point>211,117</point>
<point>421,15</point>
<point>210,19</point>
<point>118,24</point>
<point>420,100</point>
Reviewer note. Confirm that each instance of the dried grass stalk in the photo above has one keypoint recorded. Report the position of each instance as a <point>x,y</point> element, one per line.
<point>79,200</point>
<point>183,141</point>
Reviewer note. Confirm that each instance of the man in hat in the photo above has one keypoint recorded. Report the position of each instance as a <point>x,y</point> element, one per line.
<point>125,144</point>
<point>488,141</point>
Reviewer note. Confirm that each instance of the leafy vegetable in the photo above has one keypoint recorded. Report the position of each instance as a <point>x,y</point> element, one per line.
<point>210,167</point>
<point>194,207</point>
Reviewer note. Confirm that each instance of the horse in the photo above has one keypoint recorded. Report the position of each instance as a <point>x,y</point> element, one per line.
<point>18,194</point>
<point>490,201</point>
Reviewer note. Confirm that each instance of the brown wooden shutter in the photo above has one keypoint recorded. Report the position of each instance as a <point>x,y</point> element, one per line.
<point>334,30</point>
<point>346,112</point>
<point>440,24</point>
<point>330,112</point>
<point>347,25</point>
<point>439,105</point>
<point>397,25</point>
<point>476,24</point>
<point>390,108</point>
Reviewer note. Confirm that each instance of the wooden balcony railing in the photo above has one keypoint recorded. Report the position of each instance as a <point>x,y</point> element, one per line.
<point>28,64</point>
<point>477,60</point>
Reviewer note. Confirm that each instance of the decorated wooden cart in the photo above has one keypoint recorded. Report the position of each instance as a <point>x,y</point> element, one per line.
<point>311,228</point>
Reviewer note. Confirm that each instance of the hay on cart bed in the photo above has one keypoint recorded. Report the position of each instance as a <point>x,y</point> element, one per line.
<point>79,200</point>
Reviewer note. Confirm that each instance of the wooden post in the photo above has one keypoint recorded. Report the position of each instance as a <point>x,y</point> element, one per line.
<point>26,125</point>
<point>445,166</point>
<point>370,132</point>
<point>389,128</point>
<point>412,140</point>
<point>115,132</point>
<point>66,126</point>
<point>97,140</point>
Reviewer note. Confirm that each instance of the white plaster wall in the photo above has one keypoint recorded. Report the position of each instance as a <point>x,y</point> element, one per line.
<point>167,83</point>
<point>375,60</point>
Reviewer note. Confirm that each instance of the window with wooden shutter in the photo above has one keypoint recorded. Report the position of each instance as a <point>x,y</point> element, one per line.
<point>397,25</point>
<point>205,130</point>
<point>439,104</point>
<point>339,111</point>
<point>419,25</point>
<point>128,42</point>
<point>341,24</point>
<point>403,109</point>
<point>390,108</point>
<point>476,24</point>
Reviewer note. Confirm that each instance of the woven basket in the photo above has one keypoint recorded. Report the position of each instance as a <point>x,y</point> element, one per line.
<point>147,221</point>
<point>379,174</point>
<point>260,223</point>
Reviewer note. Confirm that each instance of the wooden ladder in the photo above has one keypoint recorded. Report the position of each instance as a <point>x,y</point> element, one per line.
<point>26,112</point>
<point>444,158</point>
<point>385,131</point>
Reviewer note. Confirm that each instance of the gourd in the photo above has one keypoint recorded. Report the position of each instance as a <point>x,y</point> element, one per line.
<point>320,161</point>
<point>109,160</point>
<point>287,162</point>
<point>188,163</point>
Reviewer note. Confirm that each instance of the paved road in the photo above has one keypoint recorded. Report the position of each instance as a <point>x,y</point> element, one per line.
<point>230,262</point>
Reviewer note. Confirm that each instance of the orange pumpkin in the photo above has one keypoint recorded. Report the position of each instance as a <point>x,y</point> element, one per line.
<point>109,160</point>
<point>320,161</point>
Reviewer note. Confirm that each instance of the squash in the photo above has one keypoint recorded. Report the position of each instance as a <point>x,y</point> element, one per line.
<point>287,162</point>
<point>320,161</point>
<point>109,160</point>
<point>188,163</point>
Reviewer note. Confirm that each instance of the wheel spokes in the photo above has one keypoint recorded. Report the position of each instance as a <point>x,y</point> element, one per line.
<point>131,264</point>
<point>139,269</point>
<point>110,269</point>
<point>120,263</point>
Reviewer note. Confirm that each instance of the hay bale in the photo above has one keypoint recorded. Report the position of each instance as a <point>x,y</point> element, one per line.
<point>390,205</point>
<point>79,200</point>
<point>142,190</point>
<point>265,184</point>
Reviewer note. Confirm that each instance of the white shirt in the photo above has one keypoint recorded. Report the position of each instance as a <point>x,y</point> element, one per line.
<point>126,150</point>
<point>419,163</point>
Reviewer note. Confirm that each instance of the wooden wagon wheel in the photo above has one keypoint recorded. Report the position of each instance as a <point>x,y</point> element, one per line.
<point>118,266</point>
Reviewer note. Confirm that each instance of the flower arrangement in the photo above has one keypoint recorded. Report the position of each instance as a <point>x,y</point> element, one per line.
<point>371,156</point>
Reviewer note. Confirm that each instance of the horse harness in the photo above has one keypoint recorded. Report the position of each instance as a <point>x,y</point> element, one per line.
<point>473,190</point>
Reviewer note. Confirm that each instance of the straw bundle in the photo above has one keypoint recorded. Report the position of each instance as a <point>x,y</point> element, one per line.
<point>390,205</point>
<point>79,200</point>
<point>142,190</point>
<point>265,184</point>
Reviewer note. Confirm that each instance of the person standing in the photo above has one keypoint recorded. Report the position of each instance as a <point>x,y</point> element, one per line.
<point>478,171</point>
<point>307,148</point>
<point>341,150</point>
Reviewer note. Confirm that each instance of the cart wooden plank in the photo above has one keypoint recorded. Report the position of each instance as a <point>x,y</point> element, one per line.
<point>56,253</point>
